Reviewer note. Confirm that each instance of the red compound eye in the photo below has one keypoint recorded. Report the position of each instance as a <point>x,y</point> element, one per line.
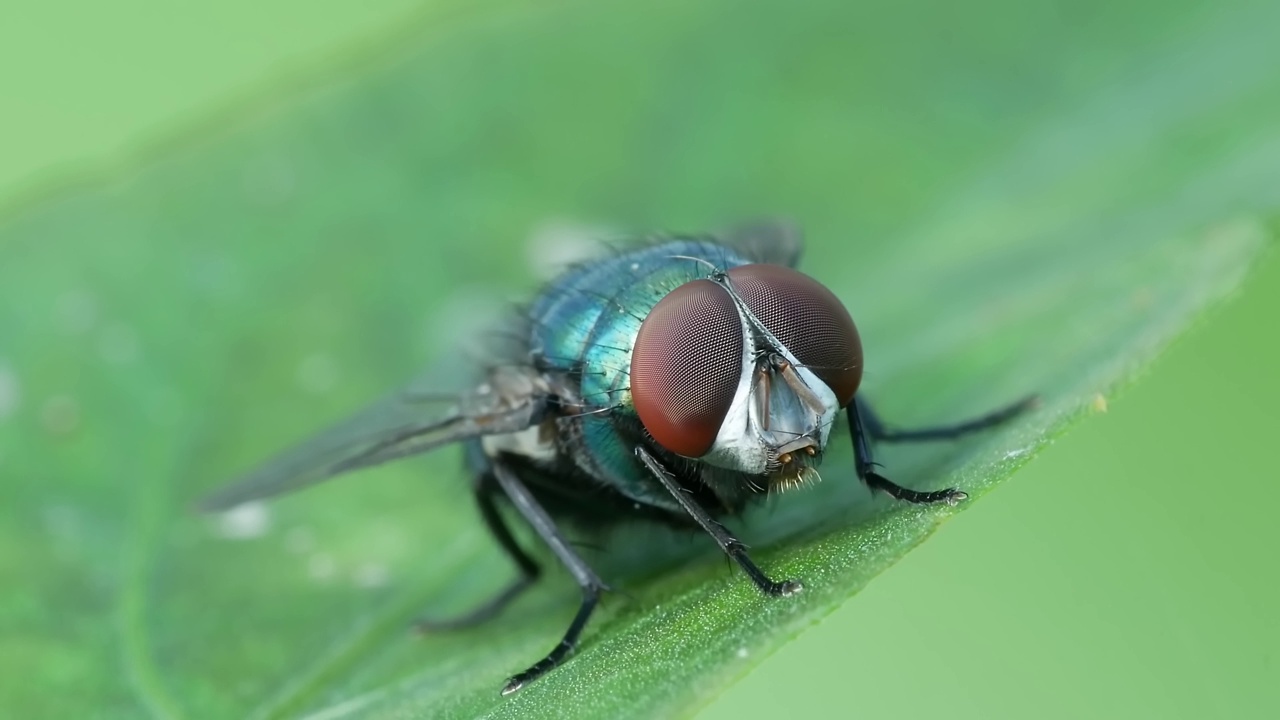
<point>686,365</point>
<point>808,319</point>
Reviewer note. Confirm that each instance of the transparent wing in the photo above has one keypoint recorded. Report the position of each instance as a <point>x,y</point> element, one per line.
<point>767,240</point>
<point>408,422</point>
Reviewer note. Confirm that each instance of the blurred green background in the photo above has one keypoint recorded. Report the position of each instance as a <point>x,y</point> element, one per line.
<point>1130,571</point>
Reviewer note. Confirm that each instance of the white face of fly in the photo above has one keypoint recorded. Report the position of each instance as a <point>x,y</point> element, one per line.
<point>781,415</point>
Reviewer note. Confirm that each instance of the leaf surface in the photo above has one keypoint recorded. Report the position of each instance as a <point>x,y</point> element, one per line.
<point>1011,197</point>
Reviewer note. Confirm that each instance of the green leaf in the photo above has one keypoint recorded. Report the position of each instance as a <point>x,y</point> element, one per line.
<point>1010,196</point>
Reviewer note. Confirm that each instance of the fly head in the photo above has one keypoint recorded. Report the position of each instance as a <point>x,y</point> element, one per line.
<point>746,370</point>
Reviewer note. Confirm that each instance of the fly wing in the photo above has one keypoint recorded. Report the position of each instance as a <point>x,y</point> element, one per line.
<point>772,240</point>
<point>406,423</point>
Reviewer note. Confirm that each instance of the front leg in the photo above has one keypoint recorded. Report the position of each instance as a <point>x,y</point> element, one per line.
<point>727,542</point>
<point>866,465</point>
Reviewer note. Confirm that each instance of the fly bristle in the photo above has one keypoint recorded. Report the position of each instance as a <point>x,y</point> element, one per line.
<point>802,478</point>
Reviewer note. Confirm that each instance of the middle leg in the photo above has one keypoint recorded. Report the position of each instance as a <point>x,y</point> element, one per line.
<point>590,583</point>
<point>877,429</point>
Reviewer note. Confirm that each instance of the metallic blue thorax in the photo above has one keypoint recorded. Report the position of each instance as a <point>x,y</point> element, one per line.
<point>585,325</point>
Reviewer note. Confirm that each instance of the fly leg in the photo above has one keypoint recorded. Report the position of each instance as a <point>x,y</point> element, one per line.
<point>876,428</point>
<point>590,583</point>
<point>727,542</point>
<point>866,465</point>
<point>529,570</point>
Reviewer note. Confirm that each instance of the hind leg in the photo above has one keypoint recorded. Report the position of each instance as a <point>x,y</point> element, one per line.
<point>485,493</point>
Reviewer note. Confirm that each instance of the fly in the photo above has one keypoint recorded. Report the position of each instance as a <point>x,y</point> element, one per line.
<point>688,376</point>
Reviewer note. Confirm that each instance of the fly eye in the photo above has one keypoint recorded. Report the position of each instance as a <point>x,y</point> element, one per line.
<point>808,319</point>
<point>685,366</point>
